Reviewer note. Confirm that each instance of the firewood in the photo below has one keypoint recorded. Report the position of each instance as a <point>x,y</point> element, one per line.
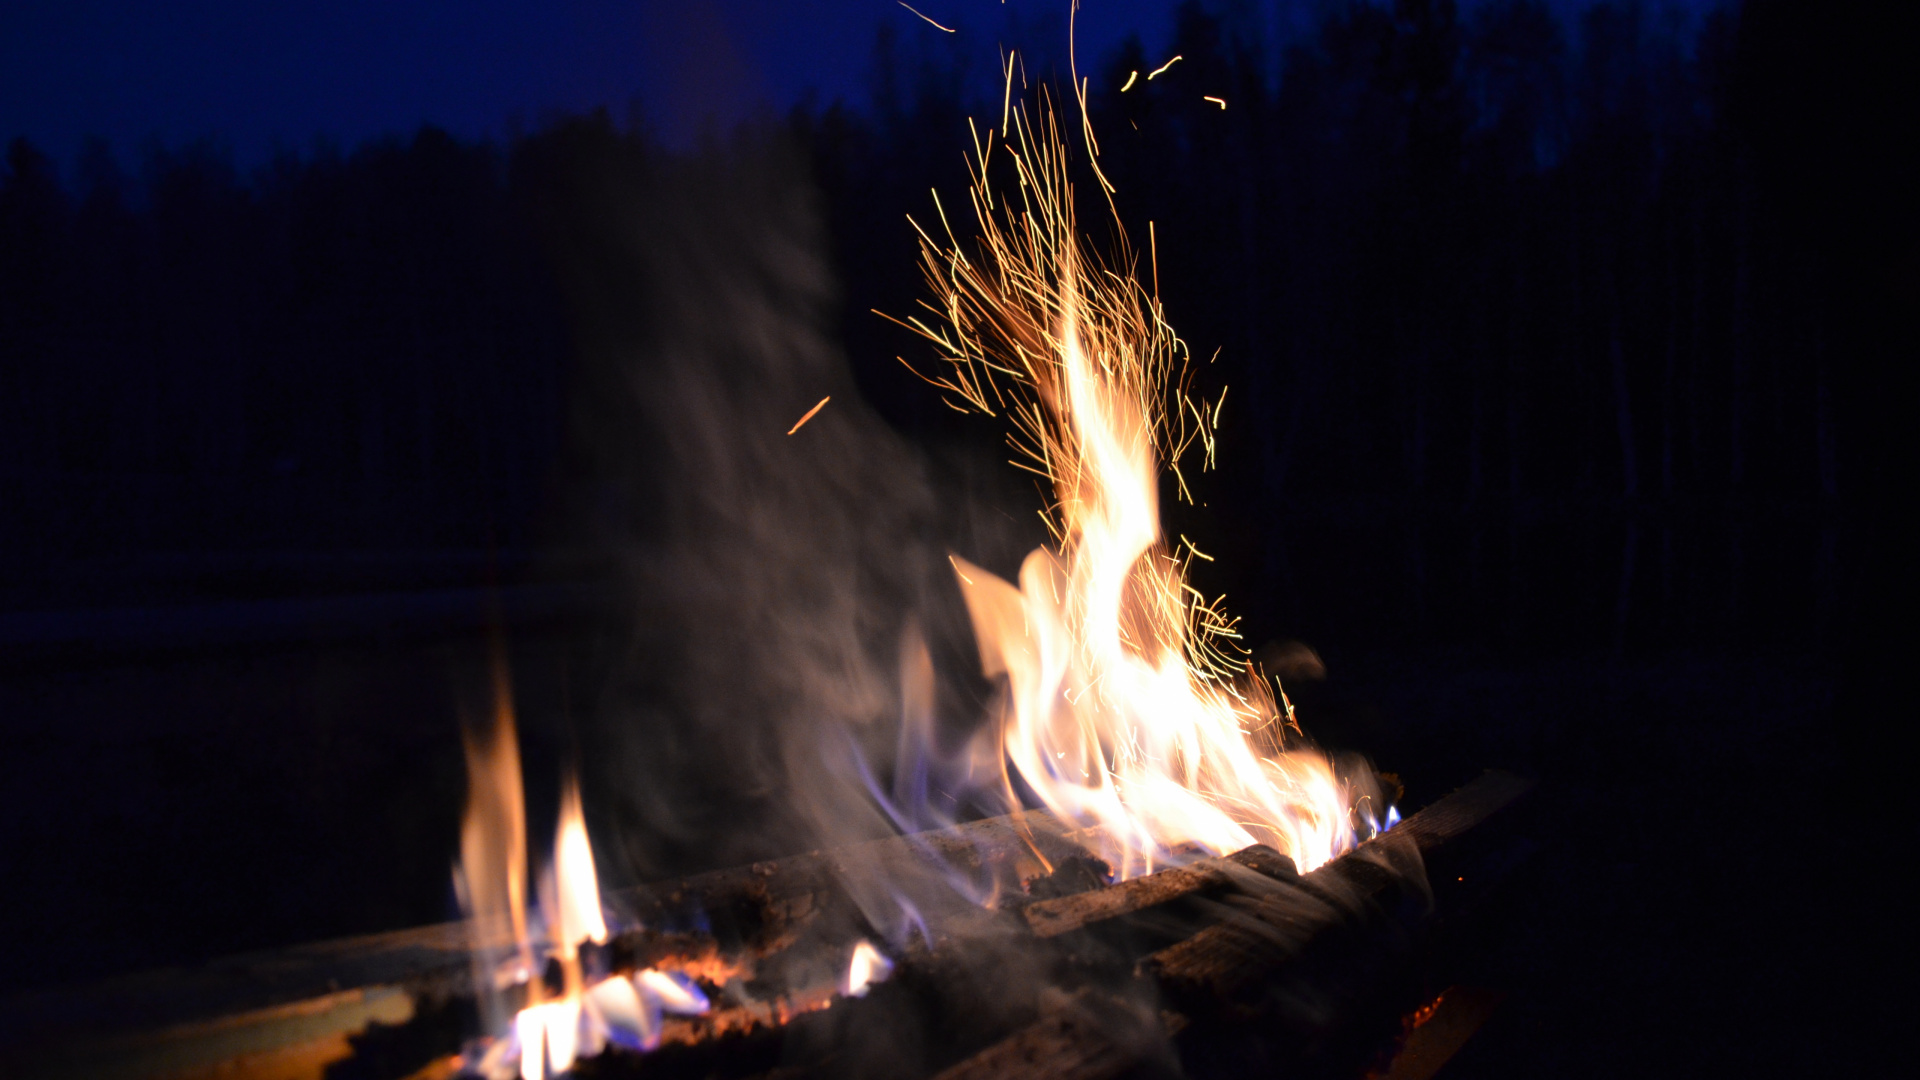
<point>1088,1036</point>
<point>759,905</point>
<point>1265,920</point>
<point>1219,960</point>
<point>1051,918</point>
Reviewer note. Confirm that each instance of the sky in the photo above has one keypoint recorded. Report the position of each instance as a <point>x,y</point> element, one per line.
<point>257,77</point>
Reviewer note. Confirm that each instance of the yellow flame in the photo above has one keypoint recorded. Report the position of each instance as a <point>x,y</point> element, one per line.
<point>551,1032</point>
<point>549,1037</point>
<point>1131,705</point>
<point>577,887</point>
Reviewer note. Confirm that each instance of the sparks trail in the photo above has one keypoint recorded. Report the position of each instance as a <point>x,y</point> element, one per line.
<point>929,22</point>
<point>1131,703</point>
<point>821,404</point>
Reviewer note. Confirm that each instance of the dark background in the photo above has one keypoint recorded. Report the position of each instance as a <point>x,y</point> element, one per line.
<point>1564,414</point>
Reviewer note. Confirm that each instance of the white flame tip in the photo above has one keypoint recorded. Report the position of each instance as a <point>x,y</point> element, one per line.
<point>867,967</point>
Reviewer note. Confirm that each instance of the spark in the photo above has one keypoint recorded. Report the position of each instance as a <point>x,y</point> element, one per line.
<point>1006,97</point>
<point>930,22</point>
<point>1153,246</point>
<point>1130,81</point>
<point>1222,102</point>
<point>1163,67</point>
<point>802,421</point>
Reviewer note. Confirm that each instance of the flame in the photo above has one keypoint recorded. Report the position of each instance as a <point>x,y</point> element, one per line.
<point>1129,704</point>
<point>868,966</point>
<point>577,916</point>
<point>549,1033</point>
<point>491,879</point>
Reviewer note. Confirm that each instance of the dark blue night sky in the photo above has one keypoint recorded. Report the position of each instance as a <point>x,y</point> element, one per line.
<point>260,76</point>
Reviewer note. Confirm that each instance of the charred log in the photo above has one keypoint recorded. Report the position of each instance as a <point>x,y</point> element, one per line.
<point>1053,917</point>
<point>1275,980</point>
<point>757,908</point>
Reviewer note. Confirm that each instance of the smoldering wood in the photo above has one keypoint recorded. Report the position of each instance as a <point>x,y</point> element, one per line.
<point>966,988</point>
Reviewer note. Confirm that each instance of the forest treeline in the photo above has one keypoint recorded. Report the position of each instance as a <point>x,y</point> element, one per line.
<point>1527,333</point>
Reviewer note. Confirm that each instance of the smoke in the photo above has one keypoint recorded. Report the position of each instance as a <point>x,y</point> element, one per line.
<point>771,577</point>
<point>798,667</point>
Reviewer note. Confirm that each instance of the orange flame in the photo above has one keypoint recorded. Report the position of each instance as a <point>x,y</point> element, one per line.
<point>548,1034</point>
<point>491,879</point>
<point>1131,706</point>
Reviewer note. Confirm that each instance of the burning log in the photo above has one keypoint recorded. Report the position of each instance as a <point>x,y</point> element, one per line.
<point>1051,918</point>
<point>1219,961</point>
<point>1225,975</point>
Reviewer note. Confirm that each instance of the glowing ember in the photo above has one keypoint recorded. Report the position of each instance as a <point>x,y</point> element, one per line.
<point>867,967</point>
<point>1130,705</point>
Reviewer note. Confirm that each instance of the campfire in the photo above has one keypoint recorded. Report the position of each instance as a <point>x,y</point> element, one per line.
<point>1145,790</point>
<point>1139,864</point>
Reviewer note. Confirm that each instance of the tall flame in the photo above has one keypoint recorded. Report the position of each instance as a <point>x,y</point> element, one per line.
<point>575,903</point>
<point>1128,707</point>
<point>491,878</point>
